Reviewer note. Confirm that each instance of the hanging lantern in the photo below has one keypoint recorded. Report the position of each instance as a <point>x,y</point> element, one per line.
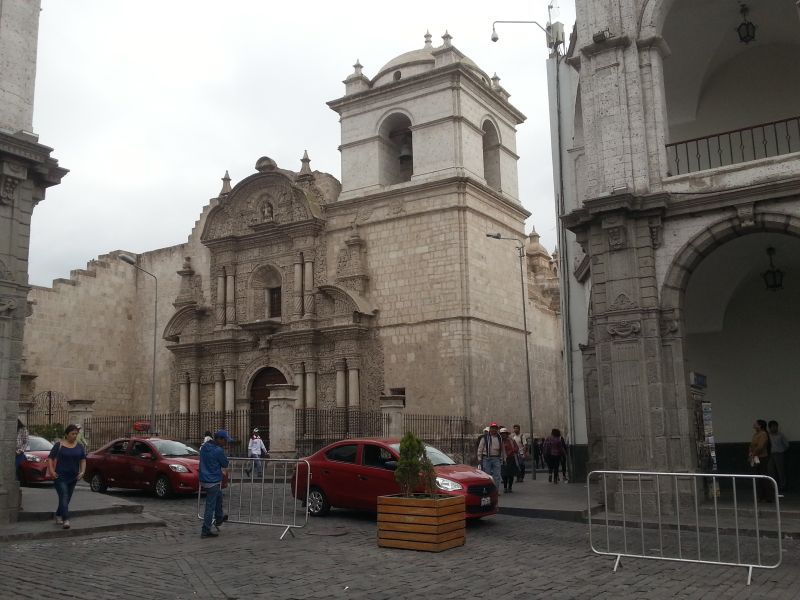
<point>746,30</point>
<point>773,277</point>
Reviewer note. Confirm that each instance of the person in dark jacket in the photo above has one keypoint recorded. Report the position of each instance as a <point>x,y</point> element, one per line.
<point>212,463</point>
<point>554,448</point>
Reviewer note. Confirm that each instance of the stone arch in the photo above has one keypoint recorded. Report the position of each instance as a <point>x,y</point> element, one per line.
<point>651,19</point>
<point>182,320</point>
<point>395,148</point>
<point>264,297</point>
<point>491,153</point>
<point>700,246</point>
<point>255,366</point>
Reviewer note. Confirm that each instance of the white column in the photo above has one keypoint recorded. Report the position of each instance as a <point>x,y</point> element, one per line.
<point>230,392</point>
<point>308,287</point>
<point>219,392</point>
<point>299,380</point>
<point>298,287</point>
<point>194,394</point>
<point>219,307</point>
<point>230,304</point>
<point>311,385</point>
<point>341,382</point>
<point>183,396</point>
<point>353,395</point>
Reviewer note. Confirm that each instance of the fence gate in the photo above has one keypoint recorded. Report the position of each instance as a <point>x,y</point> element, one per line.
<point>49,408</point>
<point>264,491</point>
<point>689,517</point>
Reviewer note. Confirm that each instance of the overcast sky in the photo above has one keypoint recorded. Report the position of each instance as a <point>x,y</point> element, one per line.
<point>148,102</point>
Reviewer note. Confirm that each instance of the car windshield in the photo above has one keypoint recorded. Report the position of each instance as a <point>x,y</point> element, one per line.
<point>172,448</point>
<point>436,456</point>
<point>39,444</point>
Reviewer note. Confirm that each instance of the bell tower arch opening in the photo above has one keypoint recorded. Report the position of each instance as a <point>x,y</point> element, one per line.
<point>396,150</point>
<point>491,155</point>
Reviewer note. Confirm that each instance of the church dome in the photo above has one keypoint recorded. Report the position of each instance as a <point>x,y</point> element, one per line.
<point>419,61</point>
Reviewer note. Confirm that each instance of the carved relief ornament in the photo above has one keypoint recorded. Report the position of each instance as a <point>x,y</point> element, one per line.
<point>624,329</point>
<point>623,302</point>
<point>614,226</point>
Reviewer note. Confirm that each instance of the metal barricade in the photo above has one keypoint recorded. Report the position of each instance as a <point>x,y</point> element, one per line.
<point>263,491</point>
<point>662,516</point>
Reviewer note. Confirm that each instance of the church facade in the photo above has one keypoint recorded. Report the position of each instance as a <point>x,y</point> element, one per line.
<point>385,282</point>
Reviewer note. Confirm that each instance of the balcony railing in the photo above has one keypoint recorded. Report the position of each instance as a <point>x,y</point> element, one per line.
<point>733,147</point>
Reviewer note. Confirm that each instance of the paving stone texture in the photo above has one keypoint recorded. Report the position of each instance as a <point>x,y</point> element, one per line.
<point>337,557</point>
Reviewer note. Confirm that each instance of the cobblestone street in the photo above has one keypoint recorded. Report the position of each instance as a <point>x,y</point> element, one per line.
<point>337,557</point>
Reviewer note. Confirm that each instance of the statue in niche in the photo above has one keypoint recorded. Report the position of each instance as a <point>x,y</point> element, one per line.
<point>267,212</point>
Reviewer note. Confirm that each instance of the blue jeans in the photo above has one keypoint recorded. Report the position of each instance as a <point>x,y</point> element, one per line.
<point>491,466</point>
<point>257,463</point>
<point>64,490</point>
<point>213,506</point>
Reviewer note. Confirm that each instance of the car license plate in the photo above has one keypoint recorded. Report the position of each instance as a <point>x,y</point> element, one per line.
<point>486,501</point>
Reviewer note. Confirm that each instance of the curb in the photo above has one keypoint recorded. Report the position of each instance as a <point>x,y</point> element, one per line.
<point>32,516</point>
<point>146,523</point>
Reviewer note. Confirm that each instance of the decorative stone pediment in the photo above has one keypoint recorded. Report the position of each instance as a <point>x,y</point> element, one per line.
<point>259,203</point>
<point>185,322</point>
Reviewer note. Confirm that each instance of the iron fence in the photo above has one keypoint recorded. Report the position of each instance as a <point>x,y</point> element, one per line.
<point>316,428</point>
<point>681,517</point>
<point>188,428</point>
<point>736,146</point>
<point>49,408</point>
<point>451,434</point>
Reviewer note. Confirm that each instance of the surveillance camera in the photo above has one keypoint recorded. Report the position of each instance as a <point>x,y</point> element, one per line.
<point>495,37</point>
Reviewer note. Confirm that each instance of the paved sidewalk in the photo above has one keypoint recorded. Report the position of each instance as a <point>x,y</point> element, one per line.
<point>337,557</point>
<point>90,513</point>
<point>540,499</point>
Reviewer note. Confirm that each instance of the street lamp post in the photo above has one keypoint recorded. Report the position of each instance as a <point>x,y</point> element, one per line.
<point>132,262</point>
<point>521,252</point>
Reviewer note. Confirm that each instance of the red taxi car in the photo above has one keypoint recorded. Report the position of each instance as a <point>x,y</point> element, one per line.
<point>164,467</point>
<point>353,473</point>
<point>34,467</point>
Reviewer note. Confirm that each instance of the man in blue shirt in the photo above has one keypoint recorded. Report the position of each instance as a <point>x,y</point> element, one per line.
<point>212,462</point>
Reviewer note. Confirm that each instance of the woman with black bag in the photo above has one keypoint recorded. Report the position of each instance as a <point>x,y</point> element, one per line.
<point>66,464</point>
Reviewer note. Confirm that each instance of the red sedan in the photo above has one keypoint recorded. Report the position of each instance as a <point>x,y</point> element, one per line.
<point>34,467</point>
<point>164,467</point>
<point>353,473</point>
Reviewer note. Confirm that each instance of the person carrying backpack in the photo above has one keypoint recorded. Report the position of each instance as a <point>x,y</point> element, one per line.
<point>554,448</point>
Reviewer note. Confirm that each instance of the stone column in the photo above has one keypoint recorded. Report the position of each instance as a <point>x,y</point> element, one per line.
<point>194,393</point>
<point>299,382</point>
<point>230,390</point>
<point>282,401</point>
<point>219,307</point>
<point>311,384</point>
<point>308,286</point>
<point>353,386</point>
<point>341,383</point>
<point>183,396</point>
<point>230,302</point>
<point>79,411</point>
<point>219,391</point>
<point>298,287</point>
<point>392,409</point>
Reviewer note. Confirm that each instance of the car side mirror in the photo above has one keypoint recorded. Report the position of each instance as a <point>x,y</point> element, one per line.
<point>391,465</point>
<point>146,456</point>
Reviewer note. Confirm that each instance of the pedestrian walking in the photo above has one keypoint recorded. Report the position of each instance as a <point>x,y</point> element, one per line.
<point>490,453</point>
<point>21,447</point>
<point>553,449</point>
<point>212,462</point>
<point>778,445</point>
<point>564,461</point>
<point>256,450</point>
<point>207,437</point>
<point>66,463</point>
<point>758,457</point>
<point>510,467</point>
<point>523,452</point>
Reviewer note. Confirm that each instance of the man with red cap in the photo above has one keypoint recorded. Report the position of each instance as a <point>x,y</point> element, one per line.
<point>490,453</point>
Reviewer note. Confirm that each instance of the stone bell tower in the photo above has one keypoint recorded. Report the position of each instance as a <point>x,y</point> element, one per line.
<point>26,170</point>
<point>429,167</point>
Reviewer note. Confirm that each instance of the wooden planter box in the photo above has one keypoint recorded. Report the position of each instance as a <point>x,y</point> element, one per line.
<point>421,522</point>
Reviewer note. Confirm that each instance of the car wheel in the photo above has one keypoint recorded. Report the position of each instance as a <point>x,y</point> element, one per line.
<point>97,483</point>
<point>162,487</point>
<point>318,505</point>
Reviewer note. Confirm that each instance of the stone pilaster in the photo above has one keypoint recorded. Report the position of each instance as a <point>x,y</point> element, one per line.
<point>281,420</point>
<point>392,409</point>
